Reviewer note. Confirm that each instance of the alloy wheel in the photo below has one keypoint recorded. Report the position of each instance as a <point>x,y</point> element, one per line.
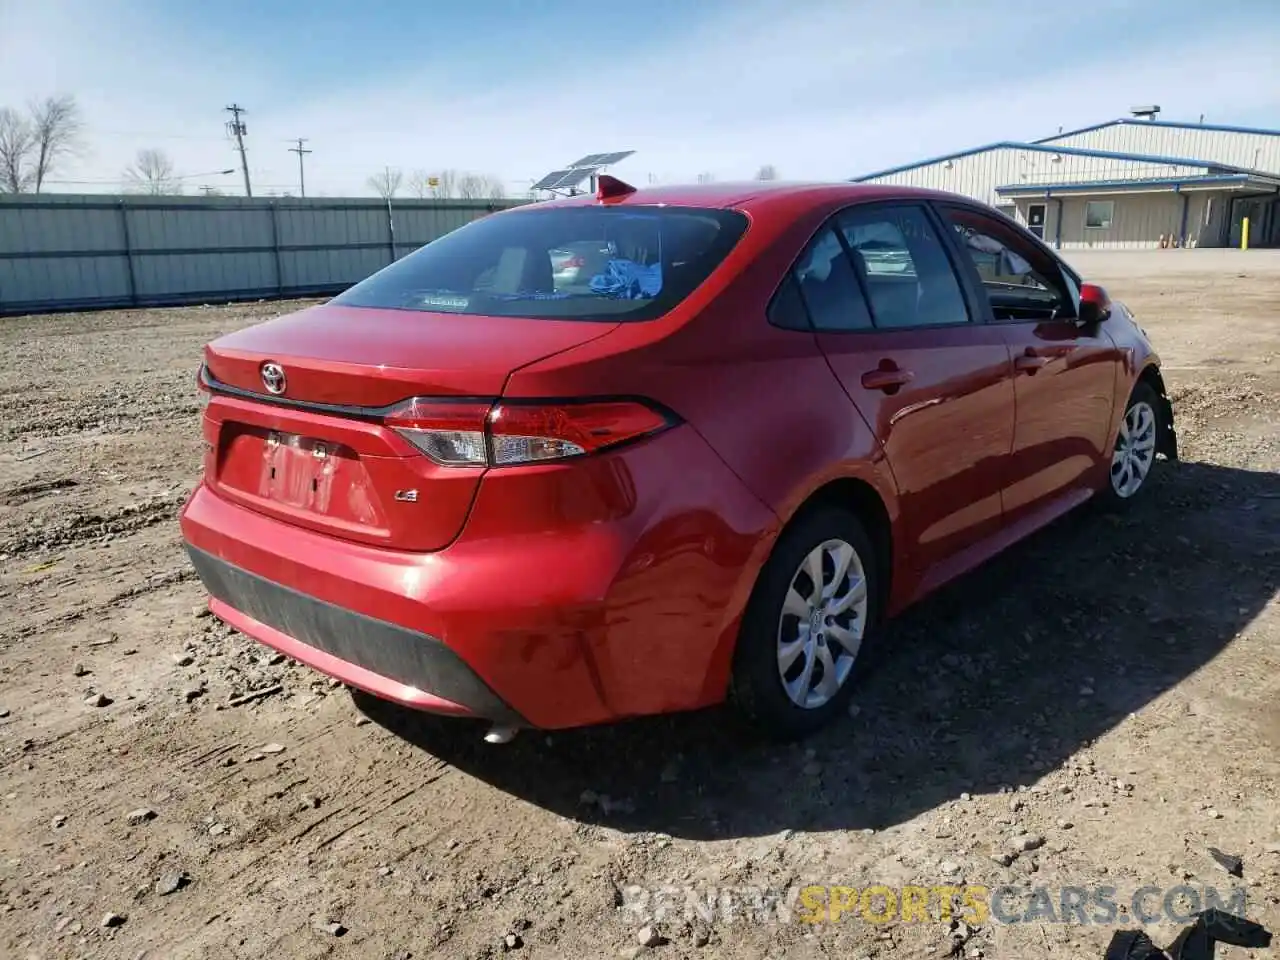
<point>823,620</point>
<point>1135,450</point>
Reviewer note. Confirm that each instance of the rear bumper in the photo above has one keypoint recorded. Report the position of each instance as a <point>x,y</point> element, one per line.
<point>573,596</point>
<point>381,658</point>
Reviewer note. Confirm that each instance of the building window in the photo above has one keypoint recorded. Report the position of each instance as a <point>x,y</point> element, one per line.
<point>1098,214</point>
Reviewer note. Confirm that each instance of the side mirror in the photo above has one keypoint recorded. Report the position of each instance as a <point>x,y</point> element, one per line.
<point>1095,305</point>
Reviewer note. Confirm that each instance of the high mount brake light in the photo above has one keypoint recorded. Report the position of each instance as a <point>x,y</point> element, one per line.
<point>479,434</point>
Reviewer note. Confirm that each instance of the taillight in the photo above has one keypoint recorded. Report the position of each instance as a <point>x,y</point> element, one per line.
<point>526,433</point>
<point>451,434</point>
<point>478,434</point>
<point>575,262</point>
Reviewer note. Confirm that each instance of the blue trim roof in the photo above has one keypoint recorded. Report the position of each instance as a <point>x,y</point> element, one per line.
<point>1038,147</point>
<point>1165,182</point>
<point>1173,124</point>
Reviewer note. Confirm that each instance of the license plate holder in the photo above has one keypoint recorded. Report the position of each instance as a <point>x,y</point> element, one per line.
<point>297,470</point>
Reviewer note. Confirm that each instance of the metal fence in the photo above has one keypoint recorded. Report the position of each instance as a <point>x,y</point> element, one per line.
<point>65,252</point>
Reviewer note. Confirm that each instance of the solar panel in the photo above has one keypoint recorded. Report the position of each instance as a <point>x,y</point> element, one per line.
<point>575,173</point>
<point>550,180</point>
<point>571,178</point>
<point>602,159</point>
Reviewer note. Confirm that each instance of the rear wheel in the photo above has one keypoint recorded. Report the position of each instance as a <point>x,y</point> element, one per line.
<point>1134,454</point>
<point>810,615</point>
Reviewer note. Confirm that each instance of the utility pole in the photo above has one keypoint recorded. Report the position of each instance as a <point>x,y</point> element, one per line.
<point>237,127</point>
<point>302,180</point>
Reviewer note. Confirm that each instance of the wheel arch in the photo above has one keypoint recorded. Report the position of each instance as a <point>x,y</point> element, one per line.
<point>1167,437</point>
<point>866,503</point>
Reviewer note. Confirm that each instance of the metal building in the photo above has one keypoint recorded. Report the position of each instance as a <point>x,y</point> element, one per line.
<point>64,251</point>
<point>1128,183</point>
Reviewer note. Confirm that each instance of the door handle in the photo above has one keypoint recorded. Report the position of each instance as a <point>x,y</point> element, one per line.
<point>1029,362</point>
<point>888,380</point>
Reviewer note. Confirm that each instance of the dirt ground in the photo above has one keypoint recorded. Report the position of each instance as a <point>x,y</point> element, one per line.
<point>1106,696</point>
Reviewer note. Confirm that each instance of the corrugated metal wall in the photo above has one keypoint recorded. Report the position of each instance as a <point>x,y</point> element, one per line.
<point>62,252</point>
<point>1138,220</point>
<point>978,174</point>
<point>1252,150</point>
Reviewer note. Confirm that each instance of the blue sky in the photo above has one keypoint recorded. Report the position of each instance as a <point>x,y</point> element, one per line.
<point>822,89</point>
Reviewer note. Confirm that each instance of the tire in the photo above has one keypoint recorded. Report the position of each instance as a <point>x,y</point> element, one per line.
<point>1133,458</point>
<point>776,621</point>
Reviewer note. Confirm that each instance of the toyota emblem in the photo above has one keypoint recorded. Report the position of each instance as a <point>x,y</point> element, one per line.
<point>273,378</point>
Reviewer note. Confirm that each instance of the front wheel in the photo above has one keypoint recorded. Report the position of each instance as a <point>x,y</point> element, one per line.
<point>805,625</point>
<point>1134,454</point>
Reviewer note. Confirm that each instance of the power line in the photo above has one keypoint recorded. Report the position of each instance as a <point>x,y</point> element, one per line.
<point>120,180</point>
<point>302,179</point>
<point>239,129</point>
<point>142,135</point>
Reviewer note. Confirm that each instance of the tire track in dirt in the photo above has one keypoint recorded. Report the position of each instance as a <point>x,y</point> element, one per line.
<point>348,810</point>
<point>86,608</point>
<point>79,528</point>
<point>159,581</point>
<point>120,408</point>
<point>35,489</point>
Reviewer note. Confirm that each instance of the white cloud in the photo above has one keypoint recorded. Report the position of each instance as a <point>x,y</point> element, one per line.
<point>823,91</point>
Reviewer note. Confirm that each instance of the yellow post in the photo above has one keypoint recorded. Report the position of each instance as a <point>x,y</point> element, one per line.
<point>1244,234</point>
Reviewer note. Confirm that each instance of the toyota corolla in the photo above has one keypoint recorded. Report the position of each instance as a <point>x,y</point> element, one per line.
<point>775,416</point>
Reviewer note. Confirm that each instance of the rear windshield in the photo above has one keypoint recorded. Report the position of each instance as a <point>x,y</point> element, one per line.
<point>560,263</point>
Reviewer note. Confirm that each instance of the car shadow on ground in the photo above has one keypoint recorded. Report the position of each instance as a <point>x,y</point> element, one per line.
<point>993,681</point>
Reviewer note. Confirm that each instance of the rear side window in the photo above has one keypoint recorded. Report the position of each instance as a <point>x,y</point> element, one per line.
<point>828,286</point>
<point>610,264</point>
<point>909,276</point>
<point>787,310</point>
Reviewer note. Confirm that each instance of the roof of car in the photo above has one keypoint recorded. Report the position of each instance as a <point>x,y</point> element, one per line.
<point>743,195</point>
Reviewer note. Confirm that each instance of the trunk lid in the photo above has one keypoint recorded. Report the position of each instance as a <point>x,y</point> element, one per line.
<point>357,356</point>
<point>315,455</point>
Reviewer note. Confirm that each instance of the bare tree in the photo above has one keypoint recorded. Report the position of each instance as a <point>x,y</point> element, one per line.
<point>446,183</point>
<point>497,190</point>
<point>56,127</point>
<point>152,173</point>
<point>419,184</point>
<point>706,177</point>
<point>453,184</point>
<point>767,172</point>
<point>387,183</point>
<point>480,186</point>
<point>16,146</point>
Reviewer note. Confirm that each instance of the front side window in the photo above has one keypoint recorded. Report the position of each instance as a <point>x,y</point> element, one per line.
<point>1016,287</point>
<point>612,264</point>
<point>909,277</point>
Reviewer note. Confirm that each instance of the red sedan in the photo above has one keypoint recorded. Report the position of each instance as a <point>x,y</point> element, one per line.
<point>768,417</point>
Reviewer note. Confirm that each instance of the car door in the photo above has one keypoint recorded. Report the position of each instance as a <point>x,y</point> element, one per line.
<point>1065,374</point>
<point>934,385</point>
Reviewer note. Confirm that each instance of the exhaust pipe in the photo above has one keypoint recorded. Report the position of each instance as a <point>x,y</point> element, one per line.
<point>498,734</point>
